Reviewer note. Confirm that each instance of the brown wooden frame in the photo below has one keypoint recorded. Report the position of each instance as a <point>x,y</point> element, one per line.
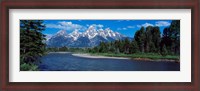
<point>99,4</point>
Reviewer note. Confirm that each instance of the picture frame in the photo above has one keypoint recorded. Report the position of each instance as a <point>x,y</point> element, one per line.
<point>111,4</point>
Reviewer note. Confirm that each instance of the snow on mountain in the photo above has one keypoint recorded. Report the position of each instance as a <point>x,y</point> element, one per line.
<point>109,33</point>
<point>61,32</point>
<point>75,34</point>
<point>91,32</point>
<point>102,33</point>
<point>91,37</point>
<point>48,37</point>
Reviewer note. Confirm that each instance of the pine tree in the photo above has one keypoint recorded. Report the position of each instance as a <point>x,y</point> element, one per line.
<point>140,38</point>
<point>133,47</point>
<point>171,37</point>
<point>175,29</point>
<point>164,51</point>
<point>156,38</point>
<point>32,43</point>
<point>148,42</point>
<point>126,46</point>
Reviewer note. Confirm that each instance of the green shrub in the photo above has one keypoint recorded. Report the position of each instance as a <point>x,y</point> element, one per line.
<point>28,67</point>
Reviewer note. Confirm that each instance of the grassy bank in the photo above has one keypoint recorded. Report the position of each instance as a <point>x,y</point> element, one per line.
<point>139,55</point>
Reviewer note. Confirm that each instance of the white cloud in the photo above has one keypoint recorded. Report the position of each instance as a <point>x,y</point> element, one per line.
<point>162,23</point>
<point>54,26</point>
<point>99,26</point>
<point>158,23</point>
<point>122,28</point>
<point>69,26</point>
<point>125,28</point>
<point>130,26</point>
<point>145,25</point>
<point>139,26</point>
<point>65,23</point>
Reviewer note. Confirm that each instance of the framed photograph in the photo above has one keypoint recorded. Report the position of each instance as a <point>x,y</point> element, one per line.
<point>100,45</point>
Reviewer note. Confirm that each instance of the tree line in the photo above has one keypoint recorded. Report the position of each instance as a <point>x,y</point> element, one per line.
<point>146,40</point>
<point>65,48</point>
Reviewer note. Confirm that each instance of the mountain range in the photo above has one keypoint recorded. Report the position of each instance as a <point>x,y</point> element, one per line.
<point>90,38</point>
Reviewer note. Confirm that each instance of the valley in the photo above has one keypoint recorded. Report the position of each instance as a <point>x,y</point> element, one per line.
<point>81,45</point>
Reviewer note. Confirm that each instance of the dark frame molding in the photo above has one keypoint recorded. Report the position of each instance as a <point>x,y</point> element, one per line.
<point>98,4</point>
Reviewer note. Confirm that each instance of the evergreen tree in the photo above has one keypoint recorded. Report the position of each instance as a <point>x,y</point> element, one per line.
<point>111,47</point>
<point>164,51</point>
<point>95,50</point>
<point>156,38</point>
<point>166,40</point>
<point>126,46</point>
<point>32,43</point>
<point>140,38</point>
<point>103,47</point>
<point>116,46</point>
<point>121,46</point>
<point>148,41</point>
<point>175,29</point>
<point>171,37</point>
<point>133,47</point>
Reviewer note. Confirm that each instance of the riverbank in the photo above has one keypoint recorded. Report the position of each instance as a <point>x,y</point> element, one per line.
<point>136,57</point>
<point>60,52</point>
<point>93,56</point>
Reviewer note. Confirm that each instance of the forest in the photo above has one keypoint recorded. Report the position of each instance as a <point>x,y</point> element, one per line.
<point>147,42</point>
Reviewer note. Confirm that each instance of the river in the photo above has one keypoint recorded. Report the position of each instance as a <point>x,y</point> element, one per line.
<point>68,62</point>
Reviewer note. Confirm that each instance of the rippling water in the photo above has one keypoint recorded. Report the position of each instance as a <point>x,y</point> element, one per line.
<point>68,62</point>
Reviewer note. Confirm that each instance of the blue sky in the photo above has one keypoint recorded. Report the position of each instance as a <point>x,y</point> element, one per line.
<point>125,27</point>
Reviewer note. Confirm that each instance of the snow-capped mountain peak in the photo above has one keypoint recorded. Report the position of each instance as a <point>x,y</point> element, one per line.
<point>75,34</point>
<point>109,32</point>
<point>90,38</point>
<point>91,32</point>
<point>101,32</point>
<point>61,32</point>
